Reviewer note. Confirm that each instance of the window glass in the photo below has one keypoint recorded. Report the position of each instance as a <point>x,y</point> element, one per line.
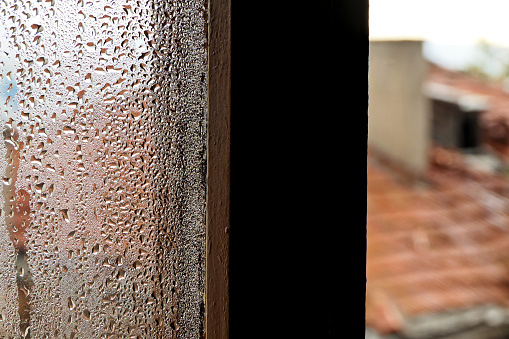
<point>103,117</point>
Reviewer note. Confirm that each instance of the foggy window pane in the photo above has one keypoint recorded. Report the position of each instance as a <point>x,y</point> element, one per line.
<point>103,117</point>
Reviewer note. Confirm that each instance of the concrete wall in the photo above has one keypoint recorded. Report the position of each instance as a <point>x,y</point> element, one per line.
<point>398,122</point>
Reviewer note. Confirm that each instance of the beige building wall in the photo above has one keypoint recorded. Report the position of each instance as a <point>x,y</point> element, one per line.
<point>398,118</point>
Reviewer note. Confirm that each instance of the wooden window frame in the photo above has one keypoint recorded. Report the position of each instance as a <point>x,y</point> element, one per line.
<point>218,170</point>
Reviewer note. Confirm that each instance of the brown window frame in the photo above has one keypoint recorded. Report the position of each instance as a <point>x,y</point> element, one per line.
<point>218,170</point>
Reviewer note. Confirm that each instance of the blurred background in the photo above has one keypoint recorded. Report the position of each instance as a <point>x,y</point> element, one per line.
<point>438,170</point>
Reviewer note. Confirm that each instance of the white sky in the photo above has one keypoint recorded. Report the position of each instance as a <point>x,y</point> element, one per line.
<point>456,22</point>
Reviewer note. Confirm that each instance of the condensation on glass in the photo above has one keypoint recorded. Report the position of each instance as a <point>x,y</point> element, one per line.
<point>103,118</point>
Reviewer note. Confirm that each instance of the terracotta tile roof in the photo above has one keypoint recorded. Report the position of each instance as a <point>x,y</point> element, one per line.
<point>435,247</point>
<point>499,98</point>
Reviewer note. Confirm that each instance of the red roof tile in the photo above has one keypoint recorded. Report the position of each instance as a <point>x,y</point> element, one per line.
<point>436,247</point>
